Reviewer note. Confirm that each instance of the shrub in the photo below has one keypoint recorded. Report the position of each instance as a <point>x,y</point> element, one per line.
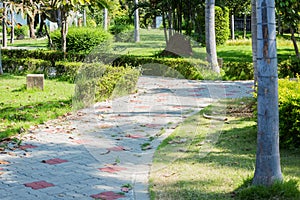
<point>289,67</point>
<point>97,82</point>
<point>238,71</point>
<point>289,113</point>
<point>83,39</point>
<point>25,65</point>
<point>279,190</point>
<point>21,30</point>
<point>174,67</point>
<point>221,25</point>
<point>122,33</point>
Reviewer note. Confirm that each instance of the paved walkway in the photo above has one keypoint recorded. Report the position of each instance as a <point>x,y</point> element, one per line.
<point>102,151</point>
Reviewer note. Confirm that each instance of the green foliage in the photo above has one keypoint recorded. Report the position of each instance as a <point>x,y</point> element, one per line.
<point>21,30</point>
<point>289,67</point>
<point>174,67</point>
<point>123,32</point>
<point>221,25</point>
<point>22,66</point>
<point>97,82</point>
<point>289,113</point>
<point>287,190</point>
<point>83,39</point>
<point>238,71</point>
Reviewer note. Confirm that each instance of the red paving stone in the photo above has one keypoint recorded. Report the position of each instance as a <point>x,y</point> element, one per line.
<point>27,146</point>
<point>134,136</point>
<point>54,161</point>
<point>153,125</point>
<point>107,196</point>
<point>112,169</point>
<point>116,148</point>
<point>39,185</point>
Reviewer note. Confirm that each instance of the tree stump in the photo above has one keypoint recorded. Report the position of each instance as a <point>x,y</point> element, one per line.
<point>35,81</point>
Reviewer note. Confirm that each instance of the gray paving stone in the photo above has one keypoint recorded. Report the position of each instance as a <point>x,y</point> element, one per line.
<point>162,103</point>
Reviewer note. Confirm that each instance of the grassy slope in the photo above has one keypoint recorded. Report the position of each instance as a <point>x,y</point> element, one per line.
<point>184,171</point>
<point>22,108</point>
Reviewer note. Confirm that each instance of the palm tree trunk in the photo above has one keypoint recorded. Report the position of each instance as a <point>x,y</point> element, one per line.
<point>136,23</point>
<point>4,30</point>
<point>105,19</point>
<point>254,40</point>
<point>210,36</point>
<point>294,42</point>
<point>267,169</point>
<point>232,27</point>
<point>245,26</point>
<point>12,30</point>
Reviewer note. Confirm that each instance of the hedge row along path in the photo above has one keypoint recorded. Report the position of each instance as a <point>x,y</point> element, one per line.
<point>105,152</point>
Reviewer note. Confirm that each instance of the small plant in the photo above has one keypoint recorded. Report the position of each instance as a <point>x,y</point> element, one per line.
<point>279,190</point>
<point>146,146</point>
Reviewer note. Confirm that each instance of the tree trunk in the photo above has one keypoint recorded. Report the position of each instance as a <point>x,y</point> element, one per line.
<point>254,40</point>
<point>210,36</point>
<point>105,19</point>
<point>1,70</point>
<point>267,169</point>
<point>4,30</point>
<point>232,27</point>
<point>84,17</point>
<point>136,23</point>
<point>165,27</point>
<point>31,27</point>
<point>12,30</point>
<point>245,26</point>
<point>170,22</point>
<point>64,31</point>
<point>294,42</point>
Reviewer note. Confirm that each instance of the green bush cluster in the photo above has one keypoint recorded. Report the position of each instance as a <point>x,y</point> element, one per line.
<point>84,39</point>
<point>289,67</point>
<point>122,33</point>
<point>25,65</point>
<point>238,71</point>
<point>289,113</point>
<point>172,67</point>
<point>21,30</point>
<point>221,25</point>
<point>97,82</point>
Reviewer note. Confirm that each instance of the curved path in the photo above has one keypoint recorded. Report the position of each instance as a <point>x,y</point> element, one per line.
<point>99,152</point>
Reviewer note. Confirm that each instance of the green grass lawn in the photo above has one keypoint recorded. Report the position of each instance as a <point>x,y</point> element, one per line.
<point>153,42</point>
<point>30,43</point>
<point>21,108</point>
<point>214,158</point>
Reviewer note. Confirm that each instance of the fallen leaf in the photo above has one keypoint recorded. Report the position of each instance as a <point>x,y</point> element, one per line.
<point>107,196</point>
<point>4,162</point>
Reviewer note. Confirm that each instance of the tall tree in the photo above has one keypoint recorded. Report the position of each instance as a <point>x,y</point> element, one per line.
<point>267,169</point>
<point>136,22</point>
<point>4,22</point>
<point>254,39</point>
<point>210,36</point>
<point>289,12</point>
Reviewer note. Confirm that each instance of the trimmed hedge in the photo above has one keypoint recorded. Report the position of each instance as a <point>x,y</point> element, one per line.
<point>97,82</point>
<point>289,67</point>
<point>222,25</point>
<point>25,65</point>
<point>238,71</point>
<point>84,39</point>
<point>289,113</point>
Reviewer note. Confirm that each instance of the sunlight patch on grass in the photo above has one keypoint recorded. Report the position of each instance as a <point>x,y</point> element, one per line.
<point>180,172</point>
<point>21,108</point>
